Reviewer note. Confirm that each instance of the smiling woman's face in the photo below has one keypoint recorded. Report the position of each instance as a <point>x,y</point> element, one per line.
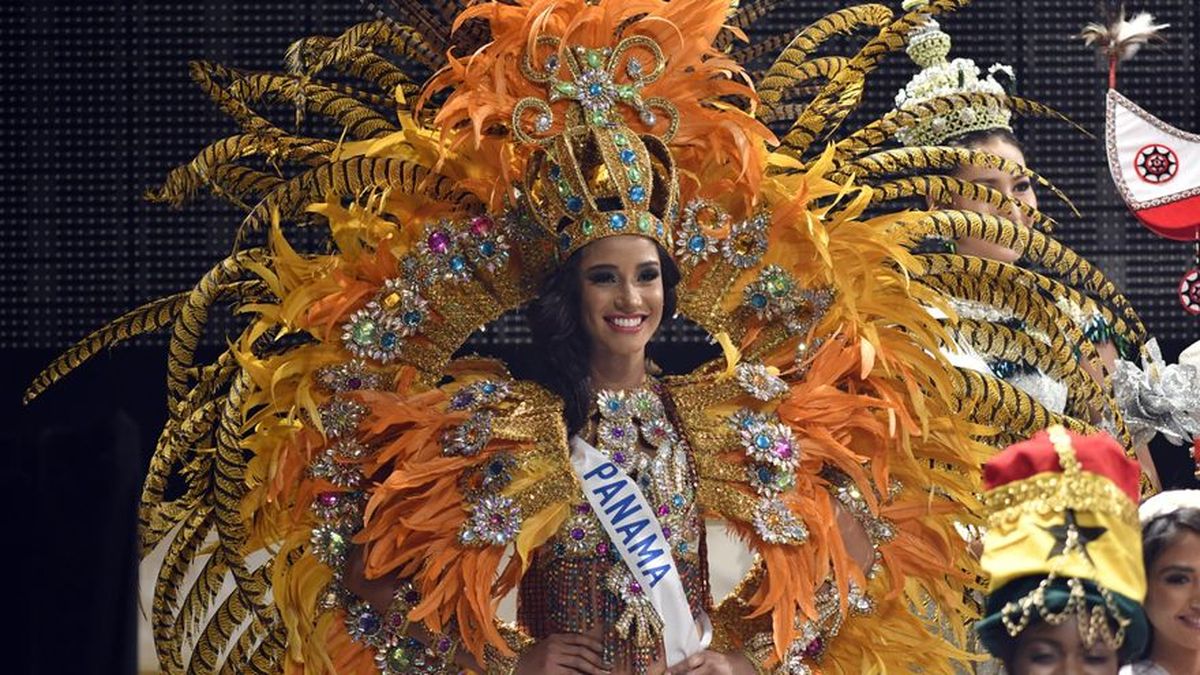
<point>621,294</point>
<point>1173,594</point>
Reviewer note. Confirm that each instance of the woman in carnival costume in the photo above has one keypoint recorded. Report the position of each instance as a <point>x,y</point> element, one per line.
<point>1063,360</point>
<point>1171,552</point>
<point>570,158</point>
<point>1063,556</point>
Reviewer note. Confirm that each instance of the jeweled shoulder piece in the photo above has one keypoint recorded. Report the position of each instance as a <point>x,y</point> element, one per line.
<point>593,176</point>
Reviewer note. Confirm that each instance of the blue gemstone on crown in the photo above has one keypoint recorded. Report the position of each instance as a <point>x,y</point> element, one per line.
<point>617,221</point>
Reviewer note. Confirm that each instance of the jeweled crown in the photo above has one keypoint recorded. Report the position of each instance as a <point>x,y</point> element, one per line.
<point>928,47</point>
<point>592,176</point>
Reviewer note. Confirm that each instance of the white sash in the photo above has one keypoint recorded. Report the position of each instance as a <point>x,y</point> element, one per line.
<point>634,530</point>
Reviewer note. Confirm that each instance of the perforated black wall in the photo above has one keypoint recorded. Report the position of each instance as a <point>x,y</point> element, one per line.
<point>97,107</point>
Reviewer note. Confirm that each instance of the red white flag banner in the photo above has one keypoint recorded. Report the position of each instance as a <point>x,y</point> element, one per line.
<point>1156,168</point>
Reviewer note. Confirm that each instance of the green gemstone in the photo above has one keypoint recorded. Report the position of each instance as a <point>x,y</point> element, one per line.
<point>779,286</point>
<point>363,333</point>
<point>398,660</point>
<point>566,88</point>
<point>599,117</point>
<point>644,221</point>
<point>619,139</point>
<point>634,173</point>
<point>564,189</point>
<point>588,227</point>
<point>594,58</point>
<point>626,91</point>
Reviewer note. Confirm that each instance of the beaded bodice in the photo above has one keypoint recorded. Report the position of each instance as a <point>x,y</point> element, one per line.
<point>577,581</point>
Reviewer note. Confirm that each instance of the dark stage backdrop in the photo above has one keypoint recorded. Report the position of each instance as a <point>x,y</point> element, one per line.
<point>97,107</point>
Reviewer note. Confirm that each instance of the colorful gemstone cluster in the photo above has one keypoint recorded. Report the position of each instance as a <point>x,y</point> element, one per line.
<point>494,521</point>
<point>774,455</point>
<point>594,84</point>
<point>760,382</point>
<point>638,622</point>
<point>815,633</point>
<point>747,242</point>
<point>396,652</point>
<point>702,225</point>
<point>454,251</point>
<point>635,432</point>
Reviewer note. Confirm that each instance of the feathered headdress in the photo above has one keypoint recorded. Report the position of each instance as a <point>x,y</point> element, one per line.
<point>1118,39</point>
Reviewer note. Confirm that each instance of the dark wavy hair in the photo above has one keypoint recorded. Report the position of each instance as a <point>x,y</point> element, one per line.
<point>1159,533</point>
<point>561,341</point>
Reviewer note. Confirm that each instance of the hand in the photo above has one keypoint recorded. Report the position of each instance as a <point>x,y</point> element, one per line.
<point>563,654</point>
<point>709,662</point>
<point>855,538</point>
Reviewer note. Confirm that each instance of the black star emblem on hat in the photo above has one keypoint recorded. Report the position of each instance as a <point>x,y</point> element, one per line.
<point>1071,536</point>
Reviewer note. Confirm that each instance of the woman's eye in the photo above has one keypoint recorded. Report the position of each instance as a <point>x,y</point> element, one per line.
<point>1177,579</point>
<point>648,275</point>
<point>1097,659</point>
<point>1023,186</point>
<point>602,277</point>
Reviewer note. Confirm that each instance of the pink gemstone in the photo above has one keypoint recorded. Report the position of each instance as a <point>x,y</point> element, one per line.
<point>635,588</point>
<point>396,619</point>
<point>663,509</point>
<point>602,548</point>
<point>783,449</point>
<point>328,499</point>
<point>814,648</point>
<point>439,242</point>
<point>481,226</point>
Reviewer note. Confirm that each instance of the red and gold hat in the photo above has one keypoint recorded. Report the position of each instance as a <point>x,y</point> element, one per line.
<point>1063,540</point>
